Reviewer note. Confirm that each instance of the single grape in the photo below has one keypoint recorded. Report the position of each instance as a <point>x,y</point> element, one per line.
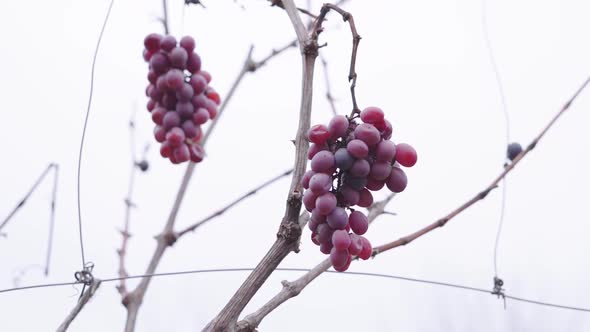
<point>318,134</point>
<point>211,108</point>
<point>152,76</point>
<point>357,148</point>
<point>343,159</point>
<point>349,196</point>
<point>314,149</point>
<point>325,203</point>
<point>200,116</point>
<point>188,43</point>
<point>360,168</point>
<point>185,110</point>
<point>197,153</point>
<point>356,183</point>
<point>152,42</point>
<point>385,151</point>
<point>356,244</point>
<point>206,75</point>
<point>198,83</point>
<point>158,115</point>
<point>318,216</point>
<point>513,150</point>
<point>174,79</point>
<point>169,100</point>
<point>322,161</point>
<point>190,129</point>
<point>185,93</point>
<point>380,170</point>
<point>338,126</point>
<point>338,218</point>
<point>155,93</point>
<point>309,199</point>
<point>305,178</point>
<point>367,249</point>
<point>150,105</point>
<point>387,130</point>
<point>324,233</point>
<point>320,183</point>
<point>397,180</point>
<point>338,258</point>
<point>193,64</point>
<point>326,247</point>
<point>167,43</point>
<point>372,115</point>
<point>367,133</point>
<point>213,96</point>
<point>159,134</point>
<point>374,185</point>
<point>178,57</point>
<point>170,119</point>
<point>181,153</point>
<point>365,198</point>
<point>165,149</point>
<point>159,63</point>
<point>359,223</point>
<point>405,155</point>
<point>345,266</point>
<point>314,238</point>
<point>175,137</point>
<point>340,240</point>
<point>199,101</point>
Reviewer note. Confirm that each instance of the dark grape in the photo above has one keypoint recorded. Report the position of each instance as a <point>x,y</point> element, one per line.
<point>338,258</point>
<point>152,42</point>
<point>365,198</point>
<point>193,64</point>
<point>343,159</point>
<point>178,57</point>
<point>170,119</point>
<point>397,180</point>
<point>338,218</point>
<point>513,150</point>
<point>358,222</point>
<point>167,43</point>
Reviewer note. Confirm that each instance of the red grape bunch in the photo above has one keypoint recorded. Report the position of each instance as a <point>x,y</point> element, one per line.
<point>348,161</point>
<point>181,99</point>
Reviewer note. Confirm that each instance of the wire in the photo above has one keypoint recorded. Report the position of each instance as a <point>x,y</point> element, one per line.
<point>368,274</point>
<point>104,24</point>
<point>500,87</point>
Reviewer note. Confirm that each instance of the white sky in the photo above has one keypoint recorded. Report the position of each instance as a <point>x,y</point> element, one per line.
<point>424,62</point>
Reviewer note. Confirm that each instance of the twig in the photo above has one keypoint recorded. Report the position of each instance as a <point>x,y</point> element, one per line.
<point>132,300</point>
<point>356,38</point>
<point>279,4</point>
<point>164,18</point>
<point>289,230</point>
<point>221,211</point>
<point>482,194</point>
<point>292,289</point>
<point>329,96</point>
<point>81,303</point>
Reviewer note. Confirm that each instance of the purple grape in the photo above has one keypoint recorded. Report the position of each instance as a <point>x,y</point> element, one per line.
<point>349,196</point>
<point>326,247</point>
<point>356,183</point>
<point>322,161</point>
<point>367,249</point>
<point>372,115</point>
<point>305,178</point>
<point>325,203</point>
<point>185,110</point>
<point>159,134</point>
<point>338,218</point>
<point>340,239</point>
<point>185,93</point>
<point>385,151</point>
<point>190,130</point>
<point>178,57</point>
<point>309,199</point>
<point>193,64</point>
<point>152,77</point>
<point>181,153</point>
<point>320,183</point>
<point>318,216</point>
<point>343,159</point>
<point>367,133</point>
<point>155,93</point>
<point>312,224</point>
<point>397,180</point>
<point>318,134</point>
<point>338,258</point>
<point>365,198</point>
<point>188,43</point>
<point>374,185</point>
<point>199,101</point>
<point>314,149</point>
<point>338,126</point>
<point>357,148</point>
<point>360,168</point>
<point>159,63</point>
<point>513,150</point>
<point>175,137</point>
<point>170,119</point>
<point>197,153</point>
<point>359,223</point>
<point>152,42</point>
<point>356,244</point>
<point>198,83</point>
<point>324,233</point>
<point>345,266</point>
<point>314,238</point>
<point>380,170</point>
<point>167,43</point>
<point>151,105</point>
<point>200,116</point>
<point>158,115</point>
<point>175,79</point>
<point>169,100</point>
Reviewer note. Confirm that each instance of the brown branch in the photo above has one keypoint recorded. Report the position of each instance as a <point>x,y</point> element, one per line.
<point>482,194</point>
<point>292,289</point>
<point>221,211</point>
<point>81,303</point>
<point>356,38</point>
<point>289,230</point>
<point>132,300</point>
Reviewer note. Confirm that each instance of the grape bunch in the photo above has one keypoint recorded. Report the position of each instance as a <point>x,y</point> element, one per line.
<point>348,161</point>
<point>181,99</point>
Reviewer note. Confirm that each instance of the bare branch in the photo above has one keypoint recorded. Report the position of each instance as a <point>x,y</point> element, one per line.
<point>81,303</point>
<point>164,18</point>
<point>221,211</point>
<point>482,194</point>
<point>292,289</point>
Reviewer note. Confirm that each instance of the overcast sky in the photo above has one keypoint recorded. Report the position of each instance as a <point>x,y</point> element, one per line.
<point>424,62</point>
